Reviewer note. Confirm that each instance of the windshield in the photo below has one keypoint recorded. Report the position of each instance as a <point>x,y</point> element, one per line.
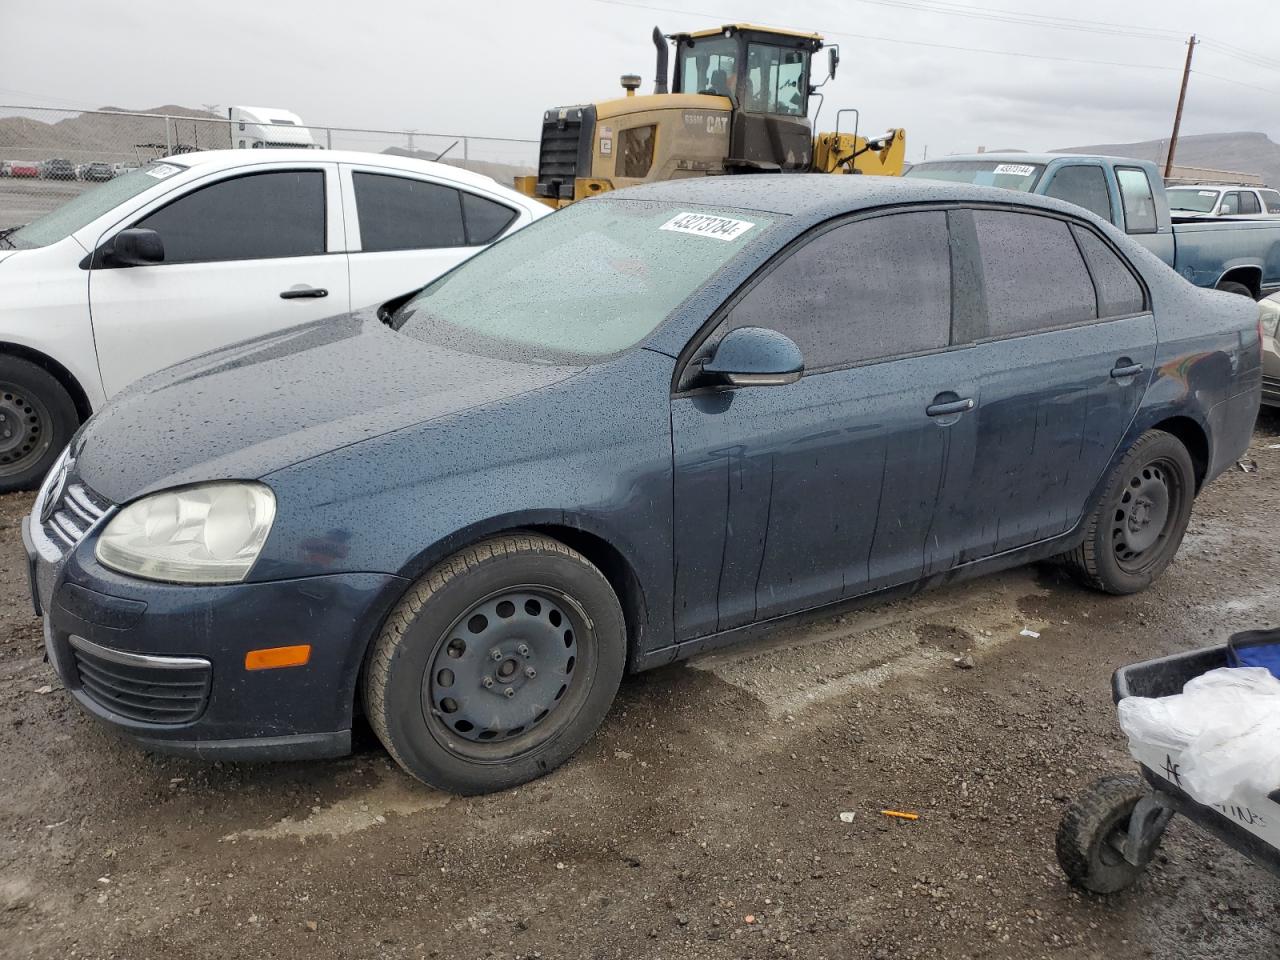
<point>88,206</point>
<point>587,282</point>
<point>1191,200</point>
<point>983,173</point>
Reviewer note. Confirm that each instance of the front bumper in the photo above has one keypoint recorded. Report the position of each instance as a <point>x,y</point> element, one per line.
<point>164,664</point>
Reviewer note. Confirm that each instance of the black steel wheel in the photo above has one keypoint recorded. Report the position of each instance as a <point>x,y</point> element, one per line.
<point>1092,833</point>
<point>1136,528</point>
<point>497,665</point>
<point>37,419</point>
<point>505,667</point>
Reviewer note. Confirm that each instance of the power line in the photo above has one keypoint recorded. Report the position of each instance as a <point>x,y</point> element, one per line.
<point>914,43</point>
<point>1245,56</point>
<point>1238,83</point>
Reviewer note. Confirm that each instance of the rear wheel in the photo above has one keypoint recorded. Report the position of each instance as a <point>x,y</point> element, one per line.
<point>37,420</point>
<point>1137,526</point>
<point>1230,286</point>
<point>497,665</point>
<point>1092,834</point>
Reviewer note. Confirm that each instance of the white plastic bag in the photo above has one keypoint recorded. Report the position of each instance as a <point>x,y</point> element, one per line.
<point>1225,727</point>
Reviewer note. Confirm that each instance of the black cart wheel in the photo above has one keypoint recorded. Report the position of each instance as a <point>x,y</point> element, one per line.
<point>1092,833</point>
<point>497,665</point>
<point>1137,526</point>
<point>37,420</point>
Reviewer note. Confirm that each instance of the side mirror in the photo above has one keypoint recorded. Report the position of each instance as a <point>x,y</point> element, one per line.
<point>833,61</point>
<point>755,357</point>
<point>135,247</point>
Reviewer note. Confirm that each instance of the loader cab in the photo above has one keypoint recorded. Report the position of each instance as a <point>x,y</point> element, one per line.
<point>766,76</point>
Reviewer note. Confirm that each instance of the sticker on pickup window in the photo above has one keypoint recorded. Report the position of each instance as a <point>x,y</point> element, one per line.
<point>1017,169</point>
<point>705,225</point>
<point>162,170</point>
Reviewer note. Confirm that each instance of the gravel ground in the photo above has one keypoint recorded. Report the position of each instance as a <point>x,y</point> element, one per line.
<point>703,820</point>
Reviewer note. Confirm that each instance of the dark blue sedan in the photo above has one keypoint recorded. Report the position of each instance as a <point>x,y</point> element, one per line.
<point>629,433</point>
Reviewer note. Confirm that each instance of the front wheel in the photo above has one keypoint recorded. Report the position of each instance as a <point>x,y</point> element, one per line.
<point>1137,526</point>
<point>497,665</point>
<point>37,420</point>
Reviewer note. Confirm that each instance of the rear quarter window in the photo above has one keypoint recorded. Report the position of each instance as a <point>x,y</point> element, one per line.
<point>1119,292</point>
<point>1139,203</point>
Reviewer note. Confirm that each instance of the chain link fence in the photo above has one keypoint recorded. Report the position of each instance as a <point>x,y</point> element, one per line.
<point>49,155</point>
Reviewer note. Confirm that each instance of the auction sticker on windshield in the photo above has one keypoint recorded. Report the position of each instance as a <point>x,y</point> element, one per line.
<point>1017,169</point>
<point>705,225</point>
<point>162,170</point>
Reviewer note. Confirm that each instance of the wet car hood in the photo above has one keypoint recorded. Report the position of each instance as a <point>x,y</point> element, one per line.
<point>259,406</point>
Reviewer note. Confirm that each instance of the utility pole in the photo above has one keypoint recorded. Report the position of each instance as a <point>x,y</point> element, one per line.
<point>1182,99</point>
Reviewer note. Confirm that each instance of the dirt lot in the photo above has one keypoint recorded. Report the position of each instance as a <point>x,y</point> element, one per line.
<point>713,793</point>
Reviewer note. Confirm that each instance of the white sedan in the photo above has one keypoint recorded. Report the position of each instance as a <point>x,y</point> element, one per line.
<point>201,250</point>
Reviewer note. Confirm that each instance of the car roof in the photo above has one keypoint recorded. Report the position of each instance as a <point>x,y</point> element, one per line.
<point>1217,186</point>
<point>1014,156</point>
<point>820,195</point>
<point>224,159</point>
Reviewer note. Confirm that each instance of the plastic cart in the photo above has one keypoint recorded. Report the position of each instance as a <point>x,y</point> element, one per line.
<point>1108,836</point>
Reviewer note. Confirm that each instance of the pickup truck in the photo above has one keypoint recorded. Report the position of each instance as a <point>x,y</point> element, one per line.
<point>1239,256</point>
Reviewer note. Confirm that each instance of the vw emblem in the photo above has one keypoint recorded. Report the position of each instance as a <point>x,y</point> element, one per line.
<point>54,495</point>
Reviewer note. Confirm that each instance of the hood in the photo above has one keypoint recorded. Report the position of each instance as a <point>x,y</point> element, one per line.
<point>251,409</point>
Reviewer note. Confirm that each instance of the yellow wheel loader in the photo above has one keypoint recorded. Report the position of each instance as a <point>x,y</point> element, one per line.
<point>738,103</point>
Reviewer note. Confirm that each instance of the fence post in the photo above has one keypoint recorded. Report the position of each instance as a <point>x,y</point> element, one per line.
<point>466,153</point>
<point>168,136</point>
<point>328,138</point>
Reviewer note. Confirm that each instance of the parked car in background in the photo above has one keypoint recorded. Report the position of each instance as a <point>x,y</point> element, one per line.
<point>197,252</point>
<point>627,434</point>
<point>1223,201</point>
<point>5,169</point>
<point>24,168</point>
<point>1271,350</point>
<point>97,171</point>
<point>1238,257</point>
<point>118,168</point>
<point>57,169</point>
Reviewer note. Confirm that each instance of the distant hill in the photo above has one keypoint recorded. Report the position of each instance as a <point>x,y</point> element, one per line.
<point>99,136</point>
<point>1243,152</point>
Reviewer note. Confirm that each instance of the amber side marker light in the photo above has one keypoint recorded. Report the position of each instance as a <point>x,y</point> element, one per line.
<point>272,657</point>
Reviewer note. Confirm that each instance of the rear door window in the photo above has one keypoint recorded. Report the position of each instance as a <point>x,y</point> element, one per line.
<point>1139,204</point>
<point>1119,292</point>
<point>1085,185</point>
<point>259,216</point>
<point>1033,275</point>
<point>862,291</point>
<point>401,213</point>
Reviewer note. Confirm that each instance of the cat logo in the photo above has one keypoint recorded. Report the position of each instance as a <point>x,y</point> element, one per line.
<point>708,122</point>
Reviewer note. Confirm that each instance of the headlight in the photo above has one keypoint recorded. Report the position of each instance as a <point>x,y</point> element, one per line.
<point>1269,314</point>
<point>212,533</point>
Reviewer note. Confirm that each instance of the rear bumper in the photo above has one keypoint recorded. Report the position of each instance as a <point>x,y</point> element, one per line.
<point>1271,391</point>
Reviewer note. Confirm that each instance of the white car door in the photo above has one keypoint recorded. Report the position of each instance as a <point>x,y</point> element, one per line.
<point>246,251</point>
<point>409,227</point>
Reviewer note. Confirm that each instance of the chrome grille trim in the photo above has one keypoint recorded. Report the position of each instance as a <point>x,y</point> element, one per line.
<point>77,512</point>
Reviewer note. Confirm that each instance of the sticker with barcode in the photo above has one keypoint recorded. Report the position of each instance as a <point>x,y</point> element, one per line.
<point>705,225</point>
<point>1017,169</point>
<point>162,170</point>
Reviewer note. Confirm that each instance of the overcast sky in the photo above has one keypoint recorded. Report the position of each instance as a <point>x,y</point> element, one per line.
<point>492,68</point>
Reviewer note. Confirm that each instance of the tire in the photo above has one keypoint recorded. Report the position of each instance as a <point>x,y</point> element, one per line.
<point>1231,286</point>
<point>37,420</point>
<point>1137,526</point>
<point>1086,835</point>
<point>497,665</point>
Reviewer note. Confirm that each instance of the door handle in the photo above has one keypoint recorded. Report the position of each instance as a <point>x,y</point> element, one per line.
<point>303,293</point>
<point>1129,370</point>
<point>947,409</point>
